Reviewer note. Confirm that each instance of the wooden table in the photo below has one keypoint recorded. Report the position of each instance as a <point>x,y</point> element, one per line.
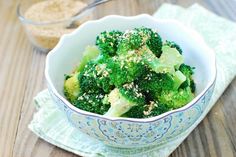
<point>22,77</point>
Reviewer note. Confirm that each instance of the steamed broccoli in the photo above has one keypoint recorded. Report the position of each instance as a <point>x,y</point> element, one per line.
<point>168,61</point>
<point>72,87</point>
<point>122,69</point>
<point>126,70</point>
<point>123,99</point>
<point>174,45</point>
<point>188,72</point>
<point>107,42</point>
<point>92,102</point>
<point>154,41</point>
<point>151,109</point>
<point>176,98</point>
<point>138,37</point>
<point>94,78</point>
<point>133,74</point>
<point>179,78</point>
<point>91,52</point>
<point>153,83</point>
<point>155,108</point>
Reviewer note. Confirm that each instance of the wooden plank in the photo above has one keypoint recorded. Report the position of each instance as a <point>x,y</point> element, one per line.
<point>14,61</point>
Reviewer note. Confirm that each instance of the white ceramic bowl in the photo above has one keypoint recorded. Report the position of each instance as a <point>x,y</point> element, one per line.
<point>128,132</point>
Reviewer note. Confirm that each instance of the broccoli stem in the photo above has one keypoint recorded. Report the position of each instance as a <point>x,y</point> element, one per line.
<point>119,104</point>
<point>179,78</point>
<point>153,62</point>
<point>91,52</point>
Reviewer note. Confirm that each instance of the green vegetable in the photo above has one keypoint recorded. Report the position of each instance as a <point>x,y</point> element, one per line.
<point>174,45</point>
<point>92,102</point>
<point>178,78</point>
<point>123,99</point>
<point>72,87</point>
<point>168,61</point>
<point>90,53</point>
<point>153,83</point>
<point>132,74</point>
<point>155,108</point>
<point>94,78</point>
<point>188,72</point>
<point>153,41</point>
<point>138,37</point>
<point>107,42</point>
<point>124,70</point>
<point>176,98</point>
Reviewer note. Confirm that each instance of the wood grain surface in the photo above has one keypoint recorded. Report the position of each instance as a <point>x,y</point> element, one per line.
<point>22,77</point>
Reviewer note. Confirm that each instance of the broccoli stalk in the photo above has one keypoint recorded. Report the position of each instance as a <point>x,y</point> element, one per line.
<point>90,53</point>
<point>72,87</point>
<point>188,72</point>
<point>168,61</point>
<point>123,99</point>
<point>174,45</point>
<point>119,104</point>
<point>178,78</point>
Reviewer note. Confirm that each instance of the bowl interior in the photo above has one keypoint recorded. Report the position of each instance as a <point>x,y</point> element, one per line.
<point>67,54</point>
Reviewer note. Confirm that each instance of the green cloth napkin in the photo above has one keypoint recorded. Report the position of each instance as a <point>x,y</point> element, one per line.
<point>50,124</point>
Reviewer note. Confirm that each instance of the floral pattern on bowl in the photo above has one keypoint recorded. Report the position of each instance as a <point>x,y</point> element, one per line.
<point>125,132</point>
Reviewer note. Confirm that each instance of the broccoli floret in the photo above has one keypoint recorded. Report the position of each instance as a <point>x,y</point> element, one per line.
<point>188,72</point>
<point>87,79</point>
<point>135,112</point>
<point>123,99</point>
<point>91,52</point>
<point>124,69</point>
<point>92,103</point>
<point>174,45</point>
<point>153,83</point>
<point>130,40</point>
<point>94,78</point>
<point>108,41</point>
<point>154,108</point>
<point>135,76</point>
<point>72,87</point>
<point>170,57</point>
<point>168,61</point>
<point>138,37</point>
<point>176,98</point>
<point>153,40</point>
